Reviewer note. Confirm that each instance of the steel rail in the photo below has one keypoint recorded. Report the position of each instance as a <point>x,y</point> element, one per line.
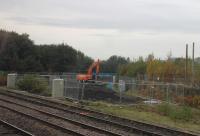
<point>101,116</point>
<point>16,130</point>
<point>50,124</point>
<point>128,129</point>
<point>92,128</point>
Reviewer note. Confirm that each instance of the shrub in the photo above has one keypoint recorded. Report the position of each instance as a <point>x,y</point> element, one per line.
<point>183,113</point>
<point>164,109</point>
<point>3,80</point>
<point>33,84</point>
<point>175,112</point>
<point>193,101</point>
<point>196,101</point>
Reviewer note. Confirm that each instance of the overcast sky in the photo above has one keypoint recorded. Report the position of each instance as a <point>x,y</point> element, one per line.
<point>101,28</point>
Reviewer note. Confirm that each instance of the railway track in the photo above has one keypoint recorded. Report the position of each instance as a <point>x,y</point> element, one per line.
<point>129,126</point>
<point>58,122</point>
<point>48,123</point>
<point>7,129</point>
<point>97,129</point>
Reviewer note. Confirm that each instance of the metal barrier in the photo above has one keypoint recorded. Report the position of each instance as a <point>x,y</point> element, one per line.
<point>124,91</point>
<point>131,92</point>
<point>72,89</point>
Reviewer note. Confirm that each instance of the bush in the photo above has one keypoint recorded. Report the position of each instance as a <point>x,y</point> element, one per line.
<point>33,84</point>
<point>183,113</point>
<point>196,101</point>
<point>3,78</point>
<point>175,112</point>
<point>192,101</point>
<point>164,109</point>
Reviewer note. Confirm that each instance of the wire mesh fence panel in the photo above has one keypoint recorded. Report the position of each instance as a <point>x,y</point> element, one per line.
<point>33,83</point>
<point>151,91</point>
<point>125,90</point>
<point>42,79</point>
<point>72,89</point>
<point>165,92</point>
<point>101,91</point>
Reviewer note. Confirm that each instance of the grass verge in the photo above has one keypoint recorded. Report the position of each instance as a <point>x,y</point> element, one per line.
<point>173,116</point>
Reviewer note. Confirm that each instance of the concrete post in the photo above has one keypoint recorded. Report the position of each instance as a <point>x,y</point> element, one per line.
<point>58,88</point>
<point>114,79</point>
<point>122,88</point>
<point>51,78</point>
<point>11,80</point>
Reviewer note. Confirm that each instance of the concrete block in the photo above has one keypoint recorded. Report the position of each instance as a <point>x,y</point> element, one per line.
<point>11,80</point>
<point>58,88</point>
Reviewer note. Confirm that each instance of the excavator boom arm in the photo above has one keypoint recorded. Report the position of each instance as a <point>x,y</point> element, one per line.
<point>91,73</point>
<point>94,65</point>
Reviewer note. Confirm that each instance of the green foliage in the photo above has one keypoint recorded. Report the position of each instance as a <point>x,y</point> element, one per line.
<point>3,78</point>
<point>33,84</point>
<point>19,53</point>
<point>183,113</point>
<point>133,69</point>
<point>113,63</point>
<point>169,70</point>
<point>149,113</point>
<point>57,58</point>
<point>82,62</point>
<point>164,109</point>
<point>174,112</point>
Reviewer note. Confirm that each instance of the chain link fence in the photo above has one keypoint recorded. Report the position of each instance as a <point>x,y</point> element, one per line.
<point>132,92</point>
<point>124,90</point>
<point>42,78</point>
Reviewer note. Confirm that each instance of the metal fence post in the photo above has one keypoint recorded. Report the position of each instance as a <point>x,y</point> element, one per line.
<point>120,94</point>
<point>167,93</point>
<point>82,92</point>
<point>122,87</point>
<point>176,90</point>
<point>183,95</point>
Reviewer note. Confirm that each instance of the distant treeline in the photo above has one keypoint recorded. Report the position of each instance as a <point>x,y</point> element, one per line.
<point>169,70</point>
<point>18,53</point>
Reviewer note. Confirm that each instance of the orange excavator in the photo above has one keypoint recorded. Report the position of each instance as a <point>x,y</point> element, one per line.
<point>94,89</point>
<point>92,73</point>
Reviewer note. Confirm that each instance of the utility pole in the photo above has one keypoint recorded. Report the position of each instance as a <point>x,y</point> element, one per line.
<point>193,64</point>
<point>186,63</point>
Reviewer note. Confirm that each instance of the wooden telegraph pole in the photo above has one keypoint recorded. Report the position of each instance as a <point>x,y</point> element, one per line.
<point>186,63</point>
<point>193,64</point>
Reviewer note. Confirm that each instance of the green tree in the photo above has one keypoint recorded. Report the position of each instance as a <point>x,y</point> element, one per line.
<point>113,64</point>
<point>134,68</point>
<point>16,50</point>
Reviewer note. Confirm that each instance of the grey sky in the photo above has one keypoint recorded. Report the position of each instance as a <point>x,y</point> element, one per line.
<point>101,28</point>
